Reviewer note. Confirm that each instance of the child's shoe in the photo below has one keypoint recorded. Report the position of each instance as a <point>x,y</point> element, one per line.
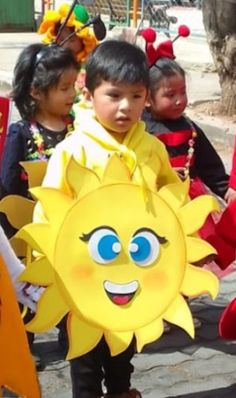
<point>133,393</point>
<point>39,364</point>
<point>167,328</point>
<point>197,323</point>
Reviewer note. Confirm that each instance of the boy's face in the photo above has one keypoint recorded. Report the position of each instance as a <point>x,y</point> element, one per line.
<point>118,106</point>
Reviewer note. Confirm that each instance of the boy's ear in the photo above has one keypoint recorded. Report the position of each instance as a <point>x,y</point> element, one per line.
<point>148,101</point>
<point>35,93</point>
<point>86,94</point>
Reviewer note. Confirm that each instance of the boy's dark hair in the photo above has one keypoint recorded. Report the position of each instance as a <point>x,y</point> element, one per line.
<point>118,62</point>
<point>41,67</point>
<point>163,68</point>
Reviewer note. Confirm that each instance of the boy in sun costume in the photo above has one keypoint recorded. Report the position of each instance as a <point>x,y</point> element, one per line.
<point>108,239</point>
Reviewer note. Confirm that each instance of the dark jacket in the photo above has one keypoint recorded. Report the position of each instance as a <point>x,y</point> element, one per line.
<point>206,163</point>
<point>24,144</point>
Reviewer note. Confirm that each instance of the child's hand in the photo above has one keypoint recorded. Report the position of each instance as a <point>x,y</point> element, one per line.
<point>230,195</point>
<point>181,172</point>
<point>28,294</point>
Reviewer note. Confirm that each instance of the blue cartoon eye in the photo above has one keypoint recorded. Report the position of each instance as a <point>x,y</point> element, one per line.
<point>144,248</point>
<point>104,246</point>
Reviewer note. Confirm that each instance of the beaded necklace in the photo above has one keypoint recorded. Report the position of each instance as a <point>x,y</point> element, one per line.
<point>42,153</point>
<point>190,153</point>
<point>38,140</point>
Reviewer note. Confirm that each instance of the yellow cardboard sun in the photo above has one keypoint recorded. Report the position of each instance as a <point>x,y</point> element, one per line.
<point>11,204</point>
<point>116,257</point>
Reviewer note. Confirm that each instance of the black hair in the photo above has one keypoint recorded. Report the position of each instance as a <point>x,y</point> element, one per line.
<point>41,67</point>
<point>118,62</point>
<point>163,68</point>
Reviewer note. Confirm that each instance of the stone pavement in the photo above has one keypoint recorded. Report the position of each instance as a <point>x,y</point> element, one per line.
<point>174,366</point>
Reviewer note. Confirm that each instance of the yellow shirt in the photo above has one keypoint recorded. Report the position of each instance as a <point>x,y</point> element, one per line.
<point>91,145</point>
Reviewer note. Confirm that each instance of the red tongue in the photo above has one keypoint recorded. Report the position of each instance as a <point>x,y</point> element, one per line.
<point>120,300</point>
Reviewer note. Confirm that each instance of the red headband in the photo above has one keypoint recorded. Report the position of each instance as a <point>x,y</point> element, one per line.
<point>164,49</point>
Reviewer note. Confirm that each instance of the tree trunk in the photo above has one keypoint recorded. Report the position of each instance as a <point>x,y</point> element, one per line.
<point>219,17</point>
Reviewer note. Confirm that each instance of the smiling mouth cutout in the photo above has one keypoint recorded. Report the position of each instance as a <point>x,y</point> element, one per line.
<point>121,294</point>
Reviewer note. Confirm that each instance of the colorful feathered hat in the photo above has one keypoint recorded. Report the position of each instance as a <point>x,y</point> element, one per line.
<point>164,49</point>
<point>54,18</point>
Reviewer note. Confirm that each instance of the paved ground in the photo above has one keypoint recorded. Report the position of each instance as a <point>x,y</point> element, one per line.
<point>175,366</point>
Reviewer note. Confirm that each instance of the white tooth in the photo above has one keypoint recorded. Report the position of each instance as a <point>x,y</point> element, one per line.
<point>118,288</point>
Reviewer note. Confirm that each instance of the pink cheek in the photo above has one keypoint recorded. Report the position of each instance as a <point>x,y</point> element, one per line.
<point>82,273</point>
<point>155,280</point>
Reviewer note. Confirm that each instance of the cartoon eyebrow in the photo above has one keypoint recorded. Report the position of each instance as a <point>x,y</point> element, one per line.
<point>86,237</point>
<point>161,239</point>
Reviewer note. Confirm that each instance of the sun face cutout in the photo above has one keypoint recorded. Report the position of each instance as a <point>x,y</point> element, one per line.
<point>117,258</point>
<point>120,269</point>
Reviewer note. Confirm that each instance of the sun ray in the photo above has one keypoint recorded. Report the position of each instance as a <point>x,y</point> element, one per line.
<point>36,170</point>
<point>39,237</point>
<point>193,215</point>
<point>175,194</point>
<point>39,272</point>
<point>198,249</point>
<point>81,179</point>
<point>50,310</point>
<point>199,281</point>
<point>180,315</point>
<point>83,337</point>
<point>116,171</point>
<point>149,333</point>
<point>48,198</point>
<point>99,262</point>
<point>118,341</point>
<point>149,176</point>
<point>19,246</point>
<point>11,204</point>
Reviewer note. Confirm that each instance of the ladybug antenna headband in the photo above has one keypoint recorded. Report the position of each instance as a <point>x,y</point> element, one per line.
<point>164,49</point>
